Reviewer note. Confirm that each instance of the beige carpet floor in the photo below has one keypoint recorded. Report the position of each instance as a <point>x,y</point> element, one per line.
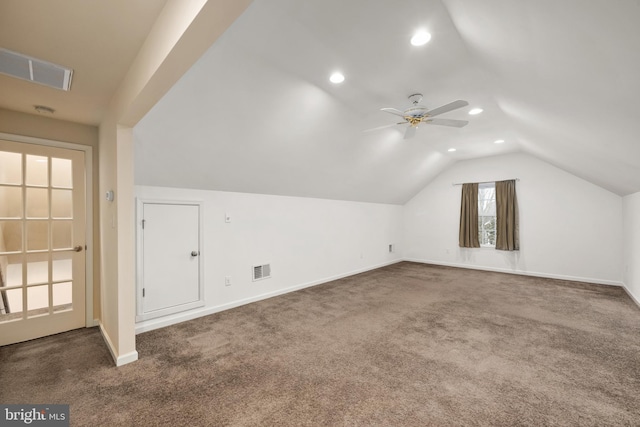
<point>405,345</point>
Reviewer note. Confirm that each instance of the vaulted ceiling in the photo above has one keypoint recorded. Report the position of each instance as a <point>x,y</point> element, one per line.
<point>257,113</point>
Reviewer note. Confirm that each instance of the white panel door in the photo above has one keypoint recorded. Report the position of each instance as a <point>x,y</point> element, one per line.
<point>171,279</point>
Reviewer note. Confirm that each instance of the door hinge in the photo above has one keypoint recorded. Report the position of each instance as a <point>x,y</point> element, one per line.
<point>143,221</point>
<point>143,292</point>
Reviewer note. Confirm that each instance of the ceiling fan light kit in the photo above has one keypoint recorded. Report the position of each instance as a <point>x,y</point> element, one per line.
<point>418,113</point>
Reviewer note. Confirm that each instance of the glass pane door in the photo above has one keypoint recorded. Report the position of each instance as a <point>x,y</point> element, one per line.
<point>41,240</point>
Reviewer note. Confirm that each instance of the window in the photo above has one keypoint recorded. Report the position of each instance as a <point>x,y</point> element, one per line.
<point>487,214</point>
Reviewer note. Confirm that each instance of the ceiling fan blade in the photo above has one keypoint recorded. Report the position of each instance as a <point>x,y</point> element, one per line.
<point>393,111</point>
<point>410,133</point>
<point>384,127</point>
<point>448,107</point>
<point>447,122</point>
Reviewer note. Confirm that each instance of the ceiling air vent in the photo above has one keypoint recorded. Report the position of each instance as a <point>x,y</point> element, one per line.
<point>35,70</point>
<point>261,272</point>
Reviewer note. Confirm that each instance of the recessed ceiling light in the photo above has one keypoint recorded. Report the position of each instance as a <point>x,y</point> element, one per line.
<point>475,111</point>
<point>336,77</point>
<point>451,150</point>
<point>420,38</point>
<point>498,141</point>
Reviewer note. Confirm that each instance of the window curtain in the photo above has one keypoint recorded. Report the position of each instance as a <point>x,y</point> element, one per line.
<point>507,233</point>
<point>468,236</point>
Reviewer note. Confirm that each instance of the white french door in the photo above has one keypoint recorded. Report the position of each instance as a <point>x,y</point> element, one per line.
<point>42,241</point>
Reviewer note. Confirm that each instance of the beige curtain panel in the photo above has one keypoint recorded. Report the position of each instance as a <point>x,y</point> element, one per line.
<point>468,236</point>
<point>507,227</point>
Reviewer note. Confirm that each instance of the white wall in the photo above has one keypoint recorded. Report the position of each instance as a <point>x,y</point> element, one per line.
<point>569,228</point>
<point>307,241</point>
<point>631,224</point>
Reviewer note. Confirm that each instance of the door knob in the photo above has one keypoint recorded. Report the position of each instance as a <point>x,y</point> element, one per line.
<point>77,248</point>
<point>195,253</point>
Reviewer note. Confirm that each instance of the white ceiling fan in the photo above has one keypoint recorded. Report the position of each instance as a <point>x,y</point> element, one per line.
<point>418,113</point>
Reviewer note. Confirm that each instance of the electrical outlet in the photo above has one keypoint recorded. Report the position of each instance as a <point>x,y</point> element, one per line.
<point>391,248</point>
<point>227,281</point>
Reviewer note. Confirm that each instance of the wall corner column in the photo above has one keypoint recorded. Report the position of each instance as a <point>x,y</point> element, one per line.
<point>117,228</point>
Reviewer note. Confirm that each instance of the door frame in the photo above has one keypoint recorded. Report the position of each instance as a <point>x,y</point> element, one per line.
<point>141,316</point>
<point>88,171</point>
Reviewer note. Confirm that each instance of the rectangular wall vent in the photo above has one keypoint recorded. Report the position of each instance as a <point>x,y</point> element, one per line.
<point>35,70</point>
<point>261,272</point>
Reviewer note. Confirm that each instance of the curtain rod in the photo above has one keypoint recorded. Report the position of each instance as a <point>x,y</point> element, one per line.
<point>483,182</point>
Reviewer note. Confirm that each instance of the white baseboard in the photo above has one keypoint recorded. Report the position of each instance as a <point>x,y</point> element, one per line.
<point>194,314</point>
<point>132,356</point>
<point>118,359</point>
<point>519,272</point>
<point>631,295</point>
